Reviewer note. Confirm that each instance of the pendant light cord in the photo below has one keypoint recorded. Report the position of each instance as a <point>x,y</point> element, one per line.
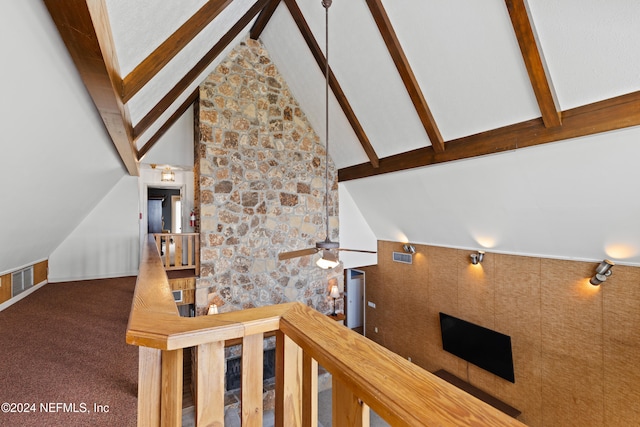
<point>326,4</point>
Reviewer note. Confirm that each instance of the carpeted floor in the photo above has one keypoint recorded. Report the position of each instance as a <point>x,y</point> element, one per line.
<point>64,360</point>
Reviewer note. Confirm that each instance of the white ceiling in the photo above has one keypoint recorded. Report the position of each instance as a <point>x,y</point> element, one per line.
<point>572,199</point>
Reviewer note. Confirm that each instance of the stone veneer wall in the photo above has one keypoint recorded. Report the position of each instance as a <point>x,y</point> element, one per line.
<point>261,190</point>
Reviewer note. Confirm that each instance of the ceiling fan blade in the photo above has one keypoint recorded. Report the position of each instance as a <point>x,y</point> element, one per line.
<point>357,250</point>
<point>294,254</point>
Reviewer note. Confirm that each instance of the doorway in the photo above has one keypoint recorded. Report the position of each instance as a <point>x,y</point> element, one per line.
<point>354,299</point>
<point>164,210</point>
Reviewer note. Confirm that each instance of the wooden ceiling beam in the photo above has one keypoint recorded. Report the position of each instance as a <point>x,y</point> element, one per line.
<point>167,125</point>
<point>152,64</point>
<point>263,19</point>
<point>184,83</point>
<point>84,28</point>
<point>603,116</point>
<point>533,60</point>
<point>406,73</point>
<point>296,13</point>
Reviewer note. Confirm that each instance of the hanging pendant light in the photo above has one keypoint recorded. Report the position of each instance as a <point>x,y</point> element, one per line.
<point>328,260</point>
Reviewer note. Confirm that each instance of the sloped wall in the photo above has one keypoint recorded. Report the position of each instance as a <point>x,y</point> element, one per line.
<point>261,189</point>
<point>575,346</point>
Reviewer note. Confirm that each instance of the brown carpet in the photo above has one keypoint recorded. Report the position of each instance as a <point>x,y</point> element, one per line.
<point>63,351</point>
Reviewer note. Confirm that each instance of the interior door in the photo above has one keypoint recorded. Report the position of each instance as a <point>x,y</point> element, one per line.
<point>355,299</point>
<point>154,216</point>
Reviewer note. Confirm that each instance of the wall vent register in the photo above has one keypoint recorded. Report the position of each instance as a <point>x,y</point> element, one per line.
<point>403,258</point>
<point>21,281</point>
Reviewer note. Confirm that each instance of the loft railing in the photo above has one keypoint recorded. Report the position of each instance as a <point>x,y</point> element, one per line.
<point>179,251</point>
<point>364,374</point>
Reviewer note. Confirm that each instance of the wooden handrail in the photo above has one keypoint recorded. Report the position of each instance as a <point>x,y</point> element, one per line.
<point>364,373</point>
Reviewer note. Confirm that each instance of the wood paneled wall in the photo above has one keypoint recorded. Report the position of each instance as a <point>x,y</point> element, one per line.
<point>576,347</point>
<point>5,288</point>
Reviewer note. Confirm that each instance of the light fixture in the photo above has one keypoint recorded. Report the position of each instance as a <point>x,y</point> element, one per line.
<point>335,293</point>
<point>167,175</point>
<point>477,257</point>
<point>328,260</point>
<point>603,270</point>
<point>410,249</point>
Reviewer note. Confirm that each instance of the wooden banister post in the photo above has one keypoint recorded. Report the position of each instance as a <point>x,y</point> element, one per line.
<point>309,391</point>
<point>149,386</point>
<point>210,384</point>
<point>252,387</point>
<point>171,397</point>
<point>288,382</point>
<point>348,410</point>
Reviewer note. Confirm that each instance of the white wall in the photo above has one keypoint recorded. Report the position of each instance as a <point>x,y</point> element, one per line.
<point>576,199</point>
<point>355,233</point>
<point>56,158</point>
<point>175,147</point>
<point>105,243</point>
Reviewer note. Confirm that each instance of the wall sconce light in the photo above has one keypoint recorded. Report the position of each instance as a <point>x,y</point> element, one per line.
<point>408,248</point>
<point>328,260</point>
<point>477,257</point>
<point>167,175</point>
<point>603,270</point>
<point>335,293</point>
<point>213,309</point>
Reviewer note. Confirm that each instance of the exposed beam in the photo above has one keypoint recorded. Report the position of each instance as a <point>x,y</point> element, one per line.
<point>610,114</point>
<point>165,127</point>
<point>296,13</point>
<point>533,60</point>
<point>152,64</point>
<point>197,69</point>
<point>263,19</point>
<point>84,27</point>
<point>406,73</point>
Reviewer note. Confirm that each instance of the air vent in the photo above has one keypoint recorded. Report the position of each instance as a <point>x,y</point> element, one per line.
<point>177,296</point>
<point>404,258</point>
<point>21,281</point>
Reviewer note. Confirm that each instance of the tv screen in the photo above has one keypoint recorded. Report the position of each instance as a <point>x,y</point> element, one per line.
<point>487,349</point>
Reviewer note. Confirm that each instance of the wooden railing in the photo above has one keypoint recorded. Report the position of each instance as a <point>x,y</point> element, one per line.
<point>179,251</point>
<point>364,374</point>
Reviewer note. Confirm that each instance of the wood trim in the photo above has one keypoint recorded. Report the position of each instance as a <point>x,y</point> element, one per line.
<point>84,28</point>
<point>610,114</point>
<point>168,49</point>
<point>296,13</point>
<point>167,125</point>
<point>263,19</point>
<point>197,70</point>
<point>540,81</point>
<point>406,73</point>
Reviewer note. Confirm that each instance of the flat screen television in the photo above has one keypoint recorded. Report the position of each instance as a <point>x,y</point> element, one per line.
<point>487,349</point>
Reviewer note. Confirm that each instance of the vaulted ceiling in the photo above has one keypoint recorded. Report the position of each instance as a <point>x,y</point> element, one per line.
<point>414,82</point>
<point>509,125</point>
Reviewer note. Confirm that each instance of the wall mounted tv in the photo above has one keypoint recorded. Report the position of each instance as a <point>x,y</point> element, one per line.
<point>487,349</point>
